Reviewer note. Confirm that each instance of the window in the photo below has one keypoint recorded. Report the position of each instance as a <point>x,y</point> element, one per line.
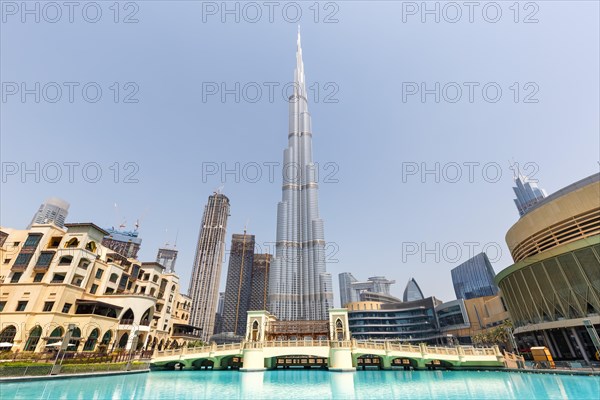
<point>66,260</point>
<point>38,277</point>
<point>54,242</point>
<point>113,278</point>
<point>109,291</point>
<point>44,259</point>
<point>7,260</point>
<point>2,305</point>
<point>77,279</point>
<point>91,246</point>
<point>32,240</point>
<point>23,259</point>
<point>83,263</point>
<point>48,306</point>
<point>15,244</point>
<point>155,278</point>
<point>66,308</point>
<point>99,273</point>
<point>16,276</point>
<point>72,243</point>
<point>93,289</point>
<point>58,278</point>
<point>21,305</point>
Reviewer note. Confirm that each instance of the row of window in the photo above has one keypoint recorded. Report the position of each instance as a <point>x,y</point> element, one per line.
<point>48,306</point>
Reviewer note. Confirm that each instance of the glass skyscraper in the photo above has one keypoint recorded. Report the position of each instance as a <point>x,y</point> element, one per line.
<point>53,210</point>
<point>412,291</point>
<point>527,192</point>
<point>474,278</point>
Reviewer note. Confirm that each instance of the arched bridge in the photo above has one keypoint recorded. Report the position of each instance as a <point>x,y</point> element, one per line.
<point>340,355</point>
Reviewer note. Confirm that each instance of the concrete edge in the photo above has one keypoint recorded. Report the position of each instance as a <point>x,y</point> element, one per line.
<point>252,369</point>
<point>552,371</point>
<point>342,369</point>
<point>68,376</point>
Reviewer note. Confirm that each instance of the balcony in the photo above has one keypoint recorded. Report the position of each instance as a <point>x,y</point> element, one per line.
<point>18,268</point>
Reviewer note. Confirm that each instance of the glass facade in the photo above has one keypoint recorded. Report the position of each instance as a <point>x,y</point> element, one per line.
<point>474,278</point>
<point>375,288</point>
<point>452,315</point>
<point>555,289</point>
<point>413,321</point>
<point>412,291</point>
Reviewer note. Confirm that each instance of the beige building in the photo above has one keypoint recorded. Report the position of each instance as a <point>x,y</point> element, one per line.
<point>482,314</point>
<point>53,277</point>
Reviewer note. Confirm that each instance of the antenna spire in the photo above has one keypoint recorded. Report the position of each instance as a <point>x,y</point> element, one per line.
<point>299,82</point>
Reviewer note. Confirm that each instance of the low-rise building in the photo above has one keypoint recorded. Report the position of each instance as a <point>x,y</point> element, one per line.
<point>53,278</point>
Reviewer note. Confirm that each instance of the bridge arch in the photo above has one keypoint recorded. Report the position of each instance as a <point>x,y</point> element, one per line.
<point>367,361</point>
<point>439,364</point>
<point>407,363</point>
<point>203,363</point>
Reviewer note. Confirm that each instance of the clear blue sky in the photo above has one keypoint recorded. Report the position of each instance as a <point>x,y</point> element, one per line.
<point>369,133</point>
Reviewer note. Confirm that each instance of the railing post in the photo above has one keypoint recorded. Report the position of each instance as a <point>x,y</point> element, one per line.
<point>423,348</point>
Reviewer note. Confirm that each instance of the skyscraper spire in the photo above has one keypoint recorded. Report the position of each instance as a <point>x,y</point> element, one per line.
<point>299,285</point>
<point>299,81</point>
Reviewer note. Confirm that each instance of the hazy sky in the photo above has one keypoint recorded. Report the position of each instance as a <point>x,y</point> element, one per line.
<point>374,134</point>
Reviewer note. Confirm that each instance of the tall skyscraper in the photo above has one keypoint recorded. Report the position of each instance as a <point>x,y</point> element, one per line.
<point>239,284</point>
<point>412,291</point>
<point>474,278</point>
<point>299,286</point>
<point>375,287</point>
<point>346,292</point>
<point>527,192</point>
<point>206,273</point>
<point>53,210</point>
<point>167,258</point>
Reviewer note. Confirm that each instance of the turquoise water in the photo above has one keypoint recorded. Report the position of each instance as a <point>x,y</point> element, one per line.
<point>314,385</point>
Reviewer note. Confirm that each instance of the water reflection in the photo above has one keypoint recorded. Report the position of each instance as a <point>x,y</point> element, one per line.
<point>314,384</point>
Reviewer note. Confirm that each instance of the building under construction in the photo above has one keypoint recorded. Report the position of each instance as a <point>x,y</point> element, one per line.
<point>247,283</point>
<point>125,243</point>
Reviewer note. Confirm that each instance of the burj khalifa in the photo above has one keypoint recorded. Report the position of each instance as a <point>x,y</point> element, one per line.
<point>299,286</point>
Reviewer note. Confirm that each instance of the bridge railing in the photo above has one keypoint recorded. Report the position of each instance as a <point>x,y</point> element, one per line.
<point>478,351</point>
<point>365,344</point>
<point>229,346</point>
<point>411,348</point>
<point>294,343</point>
<point>449,351</point>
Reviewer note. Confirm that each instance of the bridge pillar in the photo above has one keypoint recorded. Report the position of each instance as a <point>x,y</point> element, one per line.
<point>387,362</point>
<point>254,360</point>
<point>217,363</point>
<point>340,359</point>
<point>421,361</point>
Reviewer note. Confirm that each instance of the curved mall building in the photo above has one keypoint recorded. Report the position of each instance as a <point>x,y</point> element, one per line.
<point>553,288</point>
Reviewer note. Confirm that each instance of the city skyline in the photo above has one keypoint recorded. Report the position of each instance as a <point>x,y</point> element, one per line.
<point>368,134</point>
